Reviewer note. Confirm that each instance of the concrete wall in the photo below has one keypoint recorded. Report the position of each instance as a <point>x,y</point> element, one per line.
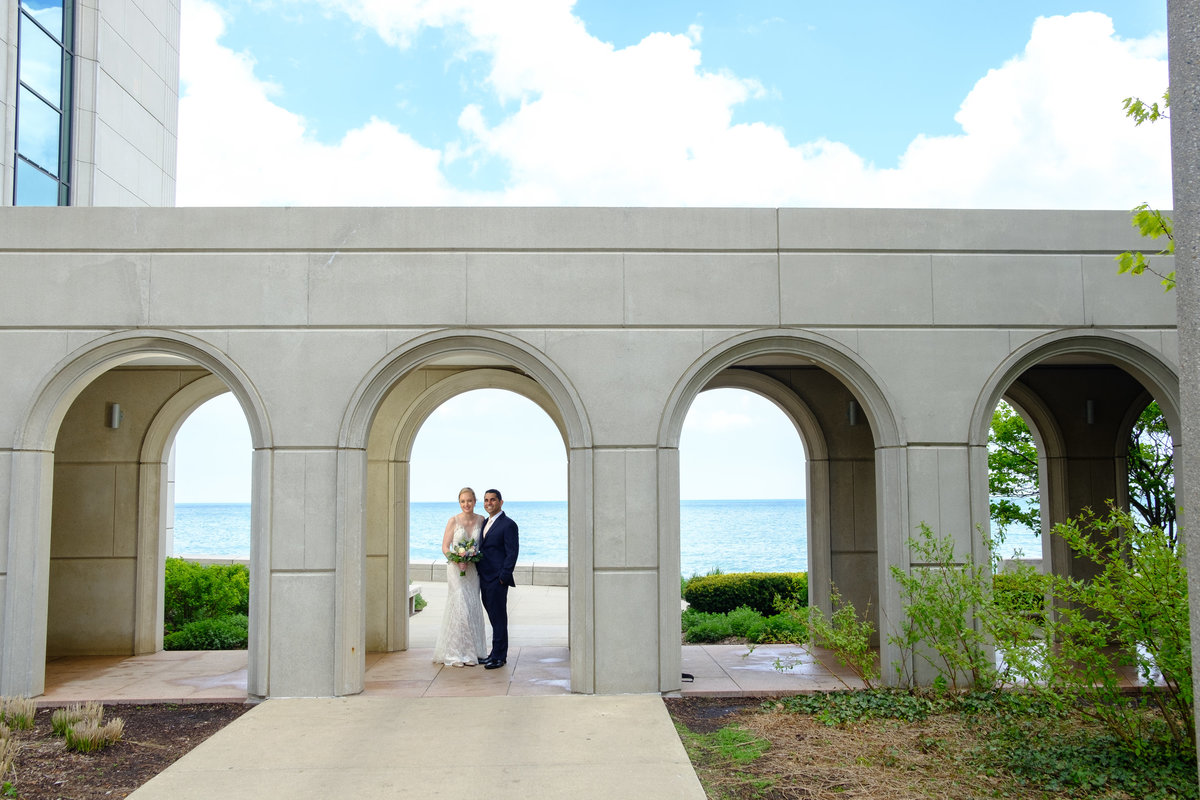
<point>94,548</point>
<point>338,329</point>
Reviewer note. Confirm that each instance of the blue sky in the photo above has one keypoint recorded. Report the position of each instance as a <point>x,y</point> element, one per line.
<point>762,103</point>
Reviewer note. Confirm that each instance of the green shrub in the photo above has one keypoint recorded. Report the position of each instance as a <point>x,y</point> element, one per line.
<point>757,590</point>
<point>742,619</point>
<point>700,626</point>
<point>193,592</point>
<point>785,628</point>
<point>226,633</point>
<point>1022,592</point>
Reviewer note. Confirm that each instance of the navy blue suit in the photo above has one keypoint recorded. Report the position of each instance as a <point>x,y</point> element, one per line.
<point>498,558</point>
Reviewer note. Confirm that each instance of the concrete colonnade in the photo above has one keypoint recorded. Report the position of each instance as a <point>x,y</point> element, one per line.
<point>887,341</point>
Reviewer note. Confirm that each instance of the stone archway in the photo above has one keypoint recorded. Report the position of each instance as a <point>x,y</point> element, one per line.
<point>533,376</point>
<point>849,388</point>
<point>1083,459</point>
<point>22,670</point>
<point>404,411</point>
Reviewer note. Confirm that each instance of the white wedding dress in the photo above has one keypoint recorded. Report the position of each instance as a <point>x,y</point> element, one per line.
<point>462,639</point>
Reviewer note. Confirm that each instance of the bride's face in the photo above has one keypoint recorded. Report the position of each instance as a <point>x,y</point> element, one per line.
<point>466,501</point>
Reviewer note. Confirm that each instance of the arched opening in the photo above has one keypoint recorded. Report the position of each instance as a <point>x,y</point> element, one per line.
<point>208,477</point>
<point>1082,394</point>
<point>384,420</point>
<point>742,486</point>
<point>856,519</point>
<point>495,438</point>
<point>95,449</point>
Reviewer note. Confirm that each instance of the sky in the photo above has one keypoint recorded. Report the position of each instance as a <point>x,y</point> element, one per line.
<point>765,103</point>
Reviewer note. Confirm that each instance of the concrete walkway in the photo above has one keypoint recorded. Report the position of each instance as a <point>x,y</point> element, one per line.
<point>538,664</point>
<point>387,747</point>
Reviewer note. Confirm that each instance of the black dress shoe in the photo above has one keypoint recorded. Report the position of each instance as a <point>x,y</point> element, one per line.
<point>494,664</point>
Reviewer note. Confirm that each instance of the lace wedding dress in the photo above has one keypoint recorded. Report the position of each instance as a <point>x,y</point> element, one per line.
<point>462,639</point>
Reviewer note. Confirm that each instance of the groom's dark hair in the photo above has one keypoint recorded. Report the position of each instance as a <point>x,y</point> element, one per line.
<point>496,492</point>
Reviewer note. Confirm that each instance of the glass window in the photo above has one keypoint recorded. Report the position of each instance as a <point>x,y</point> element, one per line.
<point>44,99</point>
<point>34,187</point>
<point>48,13</point>
<point>38,132</point>
<point>40,65</point>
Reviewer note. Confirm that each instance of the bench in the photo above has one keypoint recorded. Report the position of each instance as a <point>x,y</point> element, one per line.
<point>414,589</point>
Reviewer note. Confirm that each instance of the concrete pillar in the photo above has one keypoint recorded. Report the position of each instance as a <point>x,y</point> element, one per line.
<point>308,600</point>
<point>1183,38</point>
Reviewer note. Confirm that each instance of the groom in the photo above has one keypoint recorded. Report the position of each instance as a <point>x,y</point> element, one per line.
<point>498,557</point>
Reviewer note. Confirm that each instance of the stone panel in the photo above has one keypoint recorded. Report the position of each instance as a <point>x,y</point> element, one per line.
<point>301,636</point>
<point>387,288</point>
<point>608,516</point>
<point>976,289</point>
<point>259,289</point>
<point>888,289</point>
<point>625,520</point>
<point>377,517</point>
<point>938,494</point>
<point>5,498</point>
<point>954,230</point>
<point>934,376</point>
<point>82,289</point>
<point>544,288</point>
<point>304,510</point>
<point>625,377</point>
<point>84,509</point>
<point>626,643</point>
<point>306,378</point>
<point>377,604</point>
<point>91,607</point>
<point>1115,300</point>
<point>702,289</point>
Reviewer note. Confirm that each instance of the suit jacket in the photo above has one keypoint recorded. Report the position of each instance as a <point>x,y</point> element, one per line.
<point>498,551</point>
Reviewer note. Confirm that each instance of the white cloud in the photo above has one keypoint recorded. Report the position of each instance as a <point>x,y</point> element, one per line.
<point>238,147</point>
<point>648,125</point>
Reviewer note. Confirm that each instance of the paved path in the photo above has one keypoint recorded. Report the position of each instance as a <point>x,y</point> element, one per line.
<point>490,747</point>
<point>538,664</point>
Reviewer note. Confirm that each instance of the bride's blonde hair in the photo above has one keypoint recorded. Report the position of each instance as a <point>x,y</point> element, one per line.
<point>466,490</point>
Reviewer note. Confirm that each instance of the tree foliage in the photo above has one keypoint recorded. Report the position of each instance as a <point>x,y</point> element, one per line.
<point>1012,471</point>
<point>1152,471</point>
<point>1150,222</point>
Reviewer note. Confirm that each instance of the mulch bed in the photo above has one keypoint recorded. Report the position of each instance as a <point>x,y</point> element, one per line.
<point>155,737</point>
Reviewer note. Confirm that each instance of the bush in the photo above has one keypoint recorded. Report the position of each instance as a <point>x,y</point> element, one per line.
<point>1022,592</point>
<point>720,594</point>
<point>742,619</point>
<point>193,592</point>
<point>785,628</point>
<point>226,633</point>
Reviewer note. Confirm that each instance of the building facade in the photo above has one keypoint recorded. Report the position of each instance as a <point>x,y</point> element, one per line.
<point>90,102</point>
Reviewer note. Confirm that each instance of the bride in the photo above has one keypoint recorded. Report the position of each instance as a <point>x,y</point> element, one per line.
<point>461,641</point>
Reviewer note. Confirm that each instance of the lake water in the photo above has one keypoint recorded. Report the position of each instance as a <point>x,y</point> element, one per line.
<point>733,535</point>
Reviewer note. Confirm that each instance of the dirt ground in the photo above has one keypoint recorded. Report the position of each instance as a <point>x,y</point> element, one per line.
<point>155,736</point>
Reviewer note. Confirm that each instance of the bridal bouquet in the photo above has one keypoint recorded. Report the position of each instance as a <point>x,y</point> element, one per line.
<point>464,552</point>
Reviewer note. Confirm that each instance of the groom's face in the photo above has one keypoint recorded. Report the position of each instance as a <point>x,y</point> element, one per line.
<point>491,504</point>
